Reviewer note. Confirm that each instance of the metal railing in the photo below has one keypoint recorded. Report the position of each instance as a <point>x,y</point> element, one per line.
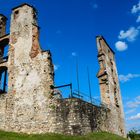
<point>67,92</point>
<point>85,97</point>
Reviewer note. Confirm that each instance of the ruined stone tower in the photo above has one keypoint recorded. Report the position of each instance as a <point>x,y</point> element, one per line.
<point>30,74</point>
<point>29,104</point>
<point>109,85</point>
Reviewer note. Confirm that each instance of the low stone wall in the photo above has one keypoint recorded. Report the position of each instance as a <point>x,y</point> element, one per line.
<point>66,116</point>
<point>75,117</point>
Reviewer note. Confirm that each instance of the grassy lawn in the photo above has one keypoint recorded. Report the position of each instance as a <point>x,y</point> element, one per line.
<point>93,136</point>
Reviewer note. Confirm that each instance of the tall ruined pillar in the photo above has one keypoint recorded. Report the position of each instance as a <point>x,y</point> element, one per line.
<point>30,75</point>
<point>109,86</point>
<point>3,21</point>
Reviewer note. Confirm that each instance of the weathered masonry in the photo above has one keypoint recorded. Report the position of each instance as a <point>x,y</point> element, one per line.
<point>27,102</point>
<point>109,85</point>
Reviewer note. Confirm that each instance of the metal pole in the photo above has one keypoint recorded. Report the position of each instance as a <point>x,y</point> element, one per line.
<point>90,95</point>
<point>77,73</point>
<point>71,91</point>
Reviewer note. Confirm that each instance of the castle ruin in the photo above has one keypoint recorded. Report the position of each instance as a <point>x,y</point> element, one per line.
<point>27,103</point>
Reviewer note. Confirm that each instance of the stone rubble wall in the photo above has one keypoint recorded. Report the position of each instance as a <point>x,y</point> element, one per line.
<point>76,117</point>
<point>27,108</point>
<point>66,116</point>
<point>109,86</point>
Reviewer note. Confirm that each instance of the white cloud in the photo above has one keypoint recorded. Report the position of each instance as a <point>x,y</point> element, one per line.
<point>138,98</point>
<point>138,19</point>
<point>130,111</point>
<point>121,46</point>
<point>73,54</point>
<point>136,117</point>
<point>130,34</point>
<point>128,77</point>
<point>133,125</point>
<point>56,67</point>
<point>134,104</point>
<point>136,8</point>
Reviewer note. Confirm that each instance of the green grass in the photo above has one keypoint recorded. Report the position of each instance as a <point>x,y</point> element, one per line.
<point>92,136</point>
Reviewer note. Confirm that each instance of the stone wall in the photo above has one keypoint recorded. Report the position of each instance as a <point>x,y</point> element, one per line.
<point>109,85</point>
<point>66,116</point>
<point>71,116</point>
<point>30,75</point>
<point>75,116</point>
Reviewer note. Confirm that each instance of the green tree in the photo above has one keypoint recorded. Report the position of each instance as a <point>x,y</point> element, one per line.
<point>132,134</point>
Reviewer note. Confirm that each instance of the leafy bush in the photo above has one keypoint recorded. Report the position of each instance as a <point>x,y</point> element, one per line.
<point>133,134</point>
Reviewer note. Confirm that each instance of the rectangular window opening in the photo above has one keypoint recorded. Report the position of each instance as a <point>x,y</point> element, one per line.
<point>3,82</point>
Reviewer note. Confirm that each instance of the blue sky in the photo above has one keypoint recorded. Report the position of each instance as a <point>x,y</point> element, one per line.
<point>69,28</point>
